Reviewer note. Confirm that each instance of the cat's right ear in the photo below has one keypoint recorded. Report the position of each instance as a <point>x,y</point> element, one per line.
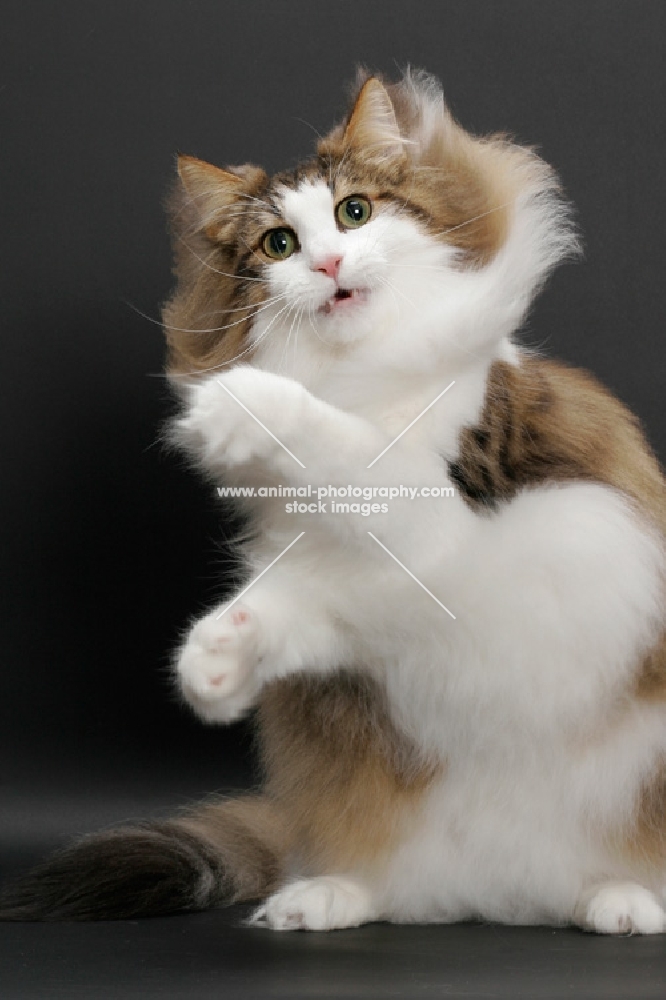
<point>371,131</point>
<point>372,128</point>
<point>210,194</point>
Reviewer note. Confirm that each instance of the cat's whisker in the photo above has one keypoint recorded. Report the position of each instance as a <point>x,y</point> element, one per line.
<point>234,309</point>
<point>389,286</point>
<point>228,362</point>
<point>215,270</point>
<point>341,162</point>
<point>229,213</point>
<point>314,327</point>
<point>213,312</point>
<point>408,197</point>
<point>285,309</point>
<point>475,218</point>
<point>259,201</point>
<point>297,326</point>
<point>294,307</point>
<point>253,251</point>
<point>298,329</point>
<point>252,312</point>
<point>309,125</point>
<point>420,267</point>
<point>395,288</point>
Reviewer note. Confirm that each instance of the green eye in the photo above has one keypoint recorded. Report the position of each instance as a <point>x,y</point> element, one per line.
<point>279,244</point>
<point>354,212</point>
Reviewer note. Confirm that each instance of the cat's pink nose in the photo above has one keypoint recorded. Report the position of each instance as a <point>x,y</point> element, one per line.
<point>328,265</point>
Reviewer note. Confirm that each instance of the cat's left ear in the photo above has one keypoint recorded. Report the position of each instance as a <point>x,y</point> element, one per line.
<point>372,128</point>
<point>212,193</point>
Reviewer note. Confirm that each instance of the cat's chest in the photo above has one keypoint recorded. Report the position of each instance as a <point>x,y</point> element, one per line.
<point>429,411</point>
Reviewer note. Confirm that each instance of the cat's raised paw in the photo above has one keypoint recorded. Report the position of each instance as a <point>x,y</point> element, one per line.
<point>241,415</point>
<point>216,665</point>
<point>620,908</point>
<point>316,904</point>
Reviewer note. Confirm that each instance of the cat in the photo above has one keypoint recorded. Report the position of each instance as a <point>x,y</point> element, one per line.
<point>461,698</point>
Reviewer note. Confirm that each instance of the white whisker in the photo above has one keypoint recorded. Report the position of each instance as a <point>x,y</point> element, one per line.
<point>390,285</point>
<point>252,310</point>
<point>286,344</point>
<point>216,270</point>
<point>387,283</point>
<point>259,201</point>
<point>298,327</point>
<point>468,222</point>
<point>225,364</point>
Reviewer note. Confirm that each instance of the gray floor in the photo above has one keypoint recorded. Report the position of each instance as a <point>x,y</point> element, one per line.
<point>214,955</point>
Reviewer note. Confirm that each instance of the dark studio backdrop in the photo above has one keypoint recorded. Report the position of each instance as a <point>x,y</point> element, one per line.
<point>110,544</point>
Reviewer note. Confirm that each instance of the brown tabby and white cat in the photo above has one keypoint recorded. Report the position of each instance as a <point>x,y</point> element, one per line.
<point>506,764</point>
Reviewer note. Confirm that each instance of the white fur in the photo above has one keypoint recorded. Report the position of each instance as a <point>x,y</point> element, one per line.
<point>557,596</point>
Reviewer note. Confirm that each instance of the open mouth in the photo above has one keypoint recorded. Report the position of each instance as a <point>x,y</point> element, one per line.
<point>343,298</point>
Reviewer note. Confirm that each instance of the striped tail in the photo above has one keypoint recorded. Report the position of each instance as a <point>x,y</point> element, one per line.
<point>226,851</point>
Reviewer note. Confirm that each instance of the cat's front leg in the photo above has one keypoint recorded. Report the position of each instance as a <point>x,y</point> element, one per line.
<point>271,630</point>
<point>248,415</point>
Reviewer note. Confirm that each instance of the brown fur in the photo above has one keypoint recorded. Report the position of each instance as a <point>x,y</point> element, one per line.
<point>645,842</point>
<point>640,842</point>
<point>348,781</point>
<point>651,683</point>
<point>544,422</point>
<point>210,293</point>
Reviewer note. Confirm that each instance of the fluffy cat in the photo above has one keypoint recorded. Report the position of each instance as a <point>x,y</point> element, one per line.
<point>508,763</point>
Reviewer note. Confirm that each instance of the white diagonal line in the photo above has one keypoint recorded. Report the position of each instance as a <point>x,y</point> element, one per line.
<point>409,573</point>
<point>410,425</point>
<point>260,423</point>
<point>252,583</point>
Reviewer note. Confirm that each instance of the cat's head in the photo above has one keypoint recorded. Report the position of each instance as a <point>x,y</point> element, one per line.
<point>404,239</point>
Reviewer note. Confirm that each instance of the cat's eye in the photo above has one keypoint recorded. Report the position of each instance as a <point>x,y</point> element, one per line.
<point>354,211</point>
<point>278,244</point>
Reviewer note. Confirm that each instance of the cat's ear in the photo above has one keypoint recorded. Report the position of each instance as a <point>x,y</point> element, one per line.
<point>372,127</point>
<point>212,193</point>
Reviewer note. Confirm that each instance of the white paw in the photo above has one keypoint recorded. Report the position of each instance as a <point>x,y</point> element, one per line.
<point>215,667</point>
<point>223,423</point>
<point>315,904</point>
<point>621,908</point>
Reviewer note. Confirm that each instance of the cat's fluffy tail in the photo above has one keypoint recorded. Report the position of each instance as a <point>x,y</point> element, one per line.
<point>226,851</point>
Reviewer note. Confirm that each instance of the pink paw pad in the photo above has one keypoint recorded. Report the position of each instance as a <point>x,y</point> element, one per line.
<point>217,680</point>
<point>239,617</point>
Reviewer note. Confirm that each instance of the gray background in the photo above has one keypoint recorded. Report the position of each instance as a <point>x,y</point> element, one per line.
<point>110,545</point>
